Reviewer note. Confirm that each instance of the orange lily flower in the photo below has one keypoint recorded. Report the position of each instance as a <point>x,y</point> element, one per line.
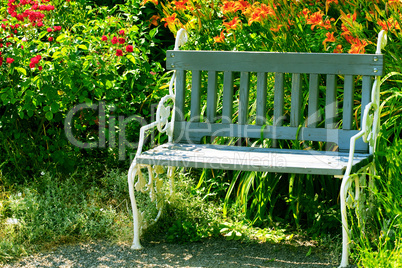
<point>330,38</point>
<point>338,49</point>
<point>232,25</point>
<point>152,1</point>
<point>220,38</point>
<point>358,47</point>
<point>261,13</point>
<point>170,20</point>
<point>277,28</point>
<point>390,24</point>
<point>315,19</point>
<point>394,2</point>
<point>230,7</point>
<point>180,5</point>
<point>154,20</point>
<point>306,12</point>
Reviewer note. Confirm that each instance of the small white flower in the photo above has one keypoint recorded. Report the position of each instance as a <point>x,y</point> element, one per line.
<point>12,221</point>
<point>42,173</point>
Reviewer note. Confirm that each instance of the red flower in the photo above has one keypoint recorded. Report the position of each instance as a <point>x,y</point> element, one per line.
<point>104,38</point>
<point>57,28</point>
<point>40,24</point>
<point>36,59</point>
<point>122,40</point>
<point>114,40</point>
<point>119,52</point>
<point>49,30</point>
<point>10,60</point>
<point>129,48</point>
<point>121,32</point>
<point>50,39</point>
<point>32,65</point>
<point>40,68</point>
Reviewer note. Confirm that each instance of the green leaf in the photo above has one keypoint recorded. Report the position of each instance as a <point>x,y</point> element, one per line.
<point>308,253</point>
<point>131,58</point>
<point>21,114</point>
<point>61,38</point>
<point>83,47</point>
<point>54,106</point>
<point>153,32</point>
<point>49,116</point>
<point>29,93</point>
<point>21,70</point>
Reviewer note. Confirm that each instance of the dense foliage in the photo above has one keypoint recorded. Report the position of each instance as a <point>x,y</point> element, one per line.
<point>56,55</point>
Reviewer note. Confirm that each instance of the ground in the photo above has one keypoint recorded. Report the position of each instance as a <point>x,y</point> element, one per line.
<point>208,253</point>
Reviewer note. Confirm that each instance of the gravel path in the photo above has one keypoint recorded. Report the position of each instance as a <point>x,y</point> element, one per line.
<point>209,253</point>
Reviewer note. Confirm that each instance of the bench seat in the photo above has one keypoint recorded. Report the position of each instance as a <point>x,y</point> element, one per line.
<point>252,159</point>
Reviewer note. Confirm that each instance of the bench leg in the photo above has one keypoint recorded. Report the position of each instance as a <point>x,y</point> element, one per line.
<point>136,215</point>
<point>345,230</point>
<point>357,201</point>
<point>136,181</point>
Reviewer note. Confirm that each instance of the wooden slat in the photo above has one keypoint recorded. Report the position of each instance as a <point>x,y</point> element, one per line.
<point>251,159</point>
<point>212,96</point>
<point>261,98</point>
<point>244,97</point>
<point>187,132</point>
<point>195,96</point>
<point>279,99</point>
<point>366,94</point>
<point>227,98</point>
<point>296,101</point>
<point>313,111</point>
<point>180,87</point>
<point>320,63</point>
<point>330,102</point>
<point>348,95</point>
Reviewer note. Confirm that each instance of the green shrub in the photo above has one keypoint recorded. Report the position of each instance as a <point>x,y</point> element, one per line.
<point>80,54</point>
<point>59,210</point>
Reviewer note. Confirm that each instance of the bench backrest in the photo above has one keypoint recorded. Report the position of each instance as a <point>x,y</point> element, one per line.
<point>314,81</point>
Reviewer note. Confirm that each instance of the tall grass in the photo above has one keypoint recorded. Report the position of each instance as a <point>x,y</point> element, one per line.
<point>382,245</point>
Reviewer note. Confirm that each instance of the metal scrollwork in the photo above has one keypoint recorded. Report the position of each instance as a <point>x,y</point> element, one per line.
<point>370,128</point>
<point>136,179</point>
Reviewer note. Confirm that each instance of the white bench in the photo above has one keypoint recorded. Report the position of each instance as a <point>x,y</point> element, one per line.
<point>355,147</point>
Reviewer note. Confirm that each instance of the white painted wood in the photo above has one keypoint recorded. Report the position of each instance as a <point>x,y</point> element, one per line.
<point>272,62</point>
<point>261,101</point>
<point>180,86</point>
<point>331,105</point>
<point>279,100</point>
<point>348,94</point>
<point>188,132</point>
<point>227,98</point>
<point>313,111</point>
<point>195,96</point>
<point>296,101</point>
<point>251,159</point>
<point>244,97</point>
<point>212,96</point>
<point>366,93</point>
